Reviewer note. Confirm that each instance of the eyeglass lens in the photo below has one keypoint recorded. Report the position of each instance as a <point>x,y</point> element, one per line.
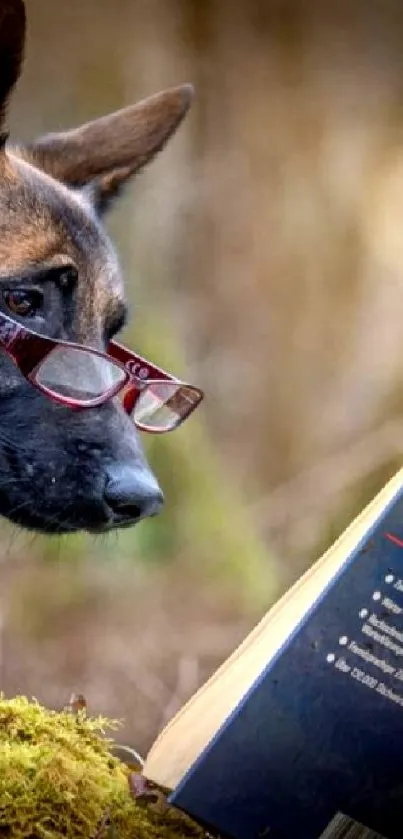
<point>163,405</point>
<point>77,374</point>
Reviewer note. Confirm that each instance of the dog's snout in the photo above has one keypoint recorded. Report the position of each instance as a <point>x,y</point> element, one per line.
<point>132,494</point>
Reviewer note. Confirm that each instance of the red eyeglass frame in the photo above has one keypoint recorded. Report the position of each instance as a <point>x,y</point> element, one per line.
<point>28,349</point>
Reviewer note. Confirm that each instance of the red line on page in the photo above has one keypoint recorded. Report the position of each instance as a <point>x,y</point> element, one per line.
<point>393,538</point>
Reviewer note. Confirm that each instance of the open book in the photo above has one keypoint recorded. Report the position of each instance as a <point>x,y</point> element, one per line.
<point>299,734</point>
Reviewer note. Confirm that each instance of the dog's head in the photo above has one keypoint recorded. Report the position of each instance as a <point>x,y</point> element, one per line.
<point>64,470</point>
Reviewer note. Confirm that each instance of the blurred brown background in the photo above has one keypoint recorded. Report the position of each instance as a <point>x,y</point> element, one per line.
<point>264,257</point>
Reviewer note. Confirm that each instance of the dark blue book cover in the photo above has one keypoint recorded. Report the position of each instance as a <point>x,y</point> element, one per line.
<point>315,748</point>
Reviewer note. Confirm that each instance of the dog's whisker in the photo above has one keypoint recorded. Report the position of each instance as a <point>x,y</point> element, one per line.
<point>15,532</point>
<point>17,507</point>
<point>7,441</point>
<point>10,542</point>
<point>61,522</point>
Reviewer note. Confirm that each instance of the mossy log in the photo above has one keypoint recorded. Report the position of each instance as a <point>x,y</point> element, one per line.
<point>59,778</point>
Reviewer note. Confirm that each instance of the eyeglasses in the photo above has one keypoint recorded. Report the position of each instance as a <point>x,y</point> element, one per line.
<point>80,377</point>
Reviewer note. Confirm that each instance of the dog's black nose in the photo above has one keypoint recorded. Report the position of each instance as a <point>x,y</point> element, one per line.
<point>132,494</point>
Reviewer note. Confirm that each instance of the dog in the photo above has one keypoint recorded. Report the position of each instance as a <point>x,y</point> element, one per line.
<point>64,470</point>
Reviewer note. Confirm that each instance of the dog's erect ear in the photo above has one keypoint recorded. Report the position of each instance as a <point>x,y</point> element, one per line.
<point>103,154</point>
<point>12,39</point>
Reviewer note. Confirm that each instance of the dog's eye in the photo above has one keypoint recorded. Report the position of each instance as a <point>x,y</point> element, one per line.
<point>23,302</point>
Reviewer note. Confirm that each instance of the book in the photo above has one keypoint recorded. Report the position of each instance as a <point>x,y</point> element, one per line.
<point>299,733</point>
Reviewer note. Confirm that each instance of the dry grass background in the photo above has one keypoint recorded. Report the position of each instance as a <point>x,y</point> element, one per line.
<point>263,253</point>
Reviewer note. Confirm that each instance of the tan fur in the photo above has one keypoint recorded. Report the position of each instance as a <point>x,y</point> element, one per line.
<point>120,143</point>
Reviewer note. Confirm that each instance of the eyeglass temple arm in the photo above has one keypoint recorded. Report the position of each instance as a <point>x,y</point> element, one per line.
<point>140,367</point>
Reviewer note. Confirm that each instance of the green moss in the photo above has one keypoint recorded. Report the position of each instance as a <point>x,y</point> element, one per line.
<point>58,779</point>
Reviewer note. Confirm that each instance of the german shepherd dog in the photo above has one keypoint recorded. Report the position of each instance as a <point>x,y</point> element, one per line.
<point>61,469</point>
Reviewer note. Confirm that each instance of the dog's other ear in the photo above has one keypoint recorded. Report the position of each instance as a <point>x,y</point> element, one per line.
<point>12,40</point>
<point>103,154</point>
